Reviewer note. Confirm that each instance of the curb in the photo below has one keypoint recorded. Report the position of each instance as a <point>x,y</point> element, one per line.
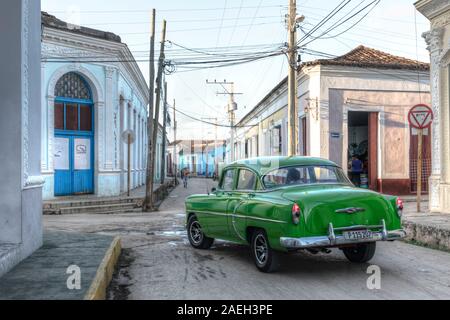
<point>97,290</point>
<point>432,236</point>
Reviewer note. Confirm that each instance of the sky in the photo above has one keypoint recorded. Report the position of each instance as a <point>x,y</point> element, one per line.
<point>392,26</point>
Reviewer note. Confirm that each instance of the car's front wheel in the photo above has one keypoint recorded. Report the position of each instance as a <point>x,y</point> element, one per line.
<point>361,253</point>
<point>266,259</point>
<point>196,236</point>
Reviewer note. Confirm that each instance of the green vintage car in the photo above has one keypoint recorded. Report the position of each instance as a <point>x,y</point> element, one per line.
<point>286,204</point>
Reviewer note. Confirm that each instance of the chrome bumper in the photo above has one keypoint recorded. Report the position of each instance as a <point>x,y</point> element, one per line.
<point>333,240</point>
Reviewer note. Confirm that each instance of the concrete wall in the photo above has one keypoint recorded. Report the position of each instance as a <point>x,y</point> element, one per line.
<point>21,187</point>
<point>326,95</point>
<point>394,131</point>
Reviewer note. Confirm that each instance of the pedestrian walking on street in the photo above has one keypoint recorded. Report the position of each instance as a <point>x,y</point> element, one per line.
<point>185,176</point>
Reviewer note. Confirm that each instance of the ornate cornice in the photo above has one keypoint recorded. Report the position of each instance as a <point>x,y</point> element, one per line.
<point>87,46</point>
<point>433,38</point>
<point>433,11</point>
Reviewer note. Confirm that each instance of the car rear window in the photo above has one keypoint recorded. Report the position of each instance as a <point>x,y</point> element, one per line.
<point>302,175</point>
<point>247,180</point>
<point>228,180</point>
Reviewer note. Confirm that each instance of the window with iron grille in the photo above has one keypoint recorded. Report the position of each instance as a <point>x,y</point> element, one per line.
<point>73,86</point>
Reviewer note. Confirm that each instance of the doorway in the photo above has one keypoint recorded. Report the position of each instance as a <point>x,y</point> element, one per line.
<point>426,159</point>
<point>363,148</point>
<point>74,136</point>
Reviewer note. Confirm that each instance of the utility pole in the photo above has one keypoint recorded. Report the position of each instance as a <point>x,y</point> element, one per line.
<point>149,203</point>
<point>175,156</point>
<point>148,191</point>
<point>232,108</point>
<point>163,153</point>
<point>292,80</point>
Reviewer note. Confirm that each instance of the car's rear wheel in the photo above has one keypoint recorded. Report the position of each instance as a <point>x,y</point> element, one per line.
<point>196,236</point>
<point>266,259</point>
<point>361,253</point>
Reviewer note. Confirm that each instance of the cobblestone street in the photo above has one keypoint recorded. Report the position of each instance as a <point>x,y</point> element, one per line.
<point>158,263</point>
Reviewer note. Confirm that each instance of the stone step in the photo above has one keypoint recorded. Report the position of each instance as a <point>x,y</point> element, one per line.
<point>98,208</point>
<point>93,209</point>
<point>56,205</point>
<point>109,212</point>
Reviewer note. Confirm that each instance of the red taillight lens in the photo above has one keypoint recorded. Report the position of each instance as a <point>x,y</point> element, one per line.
<point>296,212</point>
<point>399,204</point>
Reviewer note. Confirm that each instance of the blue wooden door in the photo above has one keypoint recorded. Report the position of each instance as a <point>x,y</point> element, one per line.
<point>83,175</point>
<point>73,163</point>
<point>74,148</point>
<point>74,136</point>
<point>63,170</point>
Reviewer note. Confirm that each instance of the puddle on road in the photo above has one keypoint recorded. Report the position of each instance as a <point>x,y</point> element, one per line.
<point>177,233</point>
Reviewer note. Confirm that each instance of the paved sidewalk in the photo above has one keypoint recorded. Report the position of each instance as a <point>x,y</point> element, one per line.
<point>43,275</point>
<point>431,229</point>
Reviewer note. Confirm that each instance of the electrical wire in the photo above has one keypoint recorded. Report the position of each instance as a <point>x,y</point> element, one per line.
<point>212,123</point>
<point>374,3</point>
<point>336,10</point>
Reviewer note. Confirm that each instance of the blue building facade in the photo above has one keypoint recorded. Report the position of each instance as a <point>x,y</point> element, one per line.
<point>87,105</point>
<point>200,158</point>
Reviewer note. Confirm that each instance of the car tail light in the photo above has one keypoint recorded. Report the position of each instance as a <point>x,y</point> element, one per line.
<point>296,212</point>
<point>400,206</point>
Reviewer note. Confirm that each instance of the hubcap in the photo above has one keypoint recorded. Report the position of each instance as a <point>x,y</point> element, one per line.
<point>261,249</point>
<point>196,232</point>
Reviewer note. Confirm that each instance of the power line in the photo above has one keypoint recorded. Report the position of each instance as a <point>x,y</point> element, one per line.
<point>252,22</point>
<point>340,6</point>
<point>374,3</point>
<point>146,11</point>
<point>212,123</point>
<point>205,28</point>
<point>237,19</point>
<point>221,23</point>
<point>178,21</point>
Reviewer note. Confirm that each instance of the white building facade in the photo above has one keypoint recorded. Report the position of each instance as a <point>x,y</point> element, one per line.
<point>21,187</point>
<point>354,104</point>
<point>438,40</point>
<point>92,92</point>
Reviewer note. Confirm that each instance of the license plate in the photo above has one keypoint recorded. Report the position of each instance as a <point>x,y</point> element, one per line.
<point>358,235</point>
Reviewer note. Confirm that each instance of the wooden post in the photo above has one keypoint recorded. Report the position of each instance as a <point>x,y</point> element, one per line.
<point>149,197</point>
<point>129,165</point>
<point>148,192</point>
<point>292,80</point>
<point>175,158</point>
<point>163,153</point>
<point>419,169</point>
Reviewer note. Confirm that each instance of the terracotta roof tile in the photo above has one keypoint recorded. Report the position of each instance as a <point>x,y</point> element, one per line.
<point>367,57</point>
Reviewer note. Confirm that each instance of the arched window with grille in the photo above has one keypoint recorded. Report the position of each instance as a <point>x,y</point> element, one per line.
<point>73,104</point>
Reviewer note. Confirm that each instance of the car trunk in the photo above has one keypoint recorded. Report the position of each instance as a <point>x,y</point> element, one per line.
<point>320,205</point>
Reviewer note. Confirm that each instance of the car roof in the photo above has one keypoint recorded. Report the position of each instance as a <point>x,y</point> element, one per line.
<point>264,165</point>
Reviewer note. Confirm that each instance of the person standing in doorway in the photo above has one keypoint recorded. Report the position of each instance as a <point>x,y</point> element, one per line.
<point>356,169</point>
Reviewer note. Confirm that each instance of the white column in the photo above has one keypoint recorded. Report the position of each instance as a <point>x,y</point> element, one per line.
<point>134,158</point>
<point>109,120</point>
<point>434,41</point>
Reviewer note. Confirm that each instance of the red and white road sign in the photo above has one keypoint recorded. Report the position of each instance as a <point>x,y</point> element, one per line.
<point>420,116</point>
